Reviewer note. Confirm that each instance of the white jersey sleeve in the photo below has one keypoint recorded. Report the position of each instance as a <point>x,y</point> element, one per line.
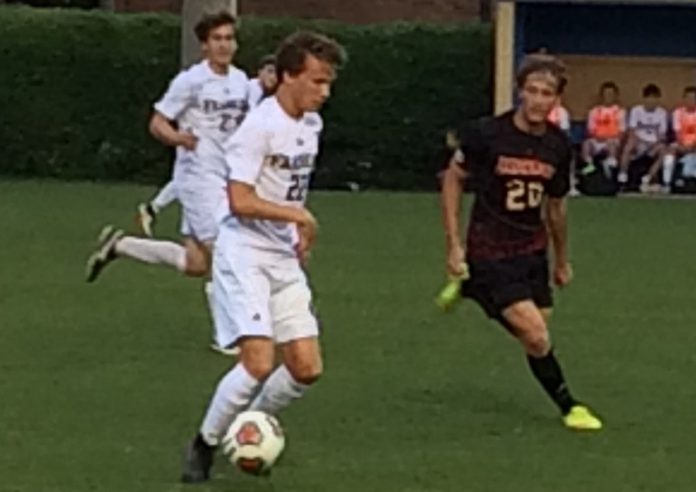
<point>246,152</point>
<point>634,117</point>
<point>179,97</point>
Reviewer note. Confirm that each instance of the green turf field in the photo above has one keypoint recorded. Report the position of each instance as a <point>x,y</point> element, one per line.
<point>101,386</point>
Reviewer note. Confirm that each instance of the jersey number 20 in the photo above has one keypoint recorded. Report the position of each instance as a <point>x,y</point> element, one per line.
<point>522,195</point>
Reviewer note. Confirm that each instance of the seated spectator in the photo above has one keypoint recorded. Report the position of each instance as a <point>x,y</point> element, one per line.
<point>647,131</point>
<point>606,124</point>
<point>684,126</point>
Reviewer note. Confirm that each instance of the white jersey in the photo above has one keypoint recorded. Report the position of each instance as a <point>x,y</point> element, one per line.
<point>211,106</point>
<point>275,153</point>
<point>255,93</point>
<point>649,126</point>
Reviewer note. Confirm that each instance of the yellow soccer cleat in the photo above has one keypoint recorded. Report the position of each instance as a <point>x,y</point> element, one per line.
<point>581,418</point>
<point>449,295</point>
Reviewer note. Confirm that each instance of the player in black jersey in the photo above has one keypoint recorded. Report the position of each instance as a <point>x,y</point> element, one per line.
<point>518,167</point>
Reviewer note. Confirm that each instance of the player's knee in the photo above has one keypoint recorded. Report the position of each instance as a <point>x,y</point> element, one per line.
<point>259,367</point>
<point>197,261</point>
<point>258,357</point>
<point>306,371</point>
<point>537,342</point>
<point>197,265</point>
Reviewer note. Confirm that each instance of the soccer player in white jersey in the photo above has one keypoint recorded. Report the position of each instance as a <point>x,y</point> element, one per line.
<point>200,111</point>
<point>263,299</point>
<point>647,131</point>
<point>265,82</point>
<point>260,87</point>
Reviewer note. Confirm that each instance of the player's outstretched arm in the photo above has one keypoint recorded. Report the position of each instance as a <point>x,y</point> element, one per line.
<point>557,224</point>
<point>450,199</point>
<point>163,130</point>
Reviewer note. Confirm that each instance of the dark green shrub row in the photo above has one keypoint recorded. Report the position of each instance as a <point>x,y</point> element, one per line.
<point>76,88</point>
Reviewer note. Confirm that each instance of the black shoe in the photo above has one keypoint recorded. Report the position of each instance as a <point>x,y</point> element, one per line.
<point>105,252</point>
<point>198,460</point>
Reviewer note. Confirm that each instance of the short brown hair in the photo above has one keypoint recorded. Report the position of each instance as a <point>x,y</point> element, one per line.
<point>265,61</point>
<point>212,21</point>
<point>293,52</point>
<point>536,63</point>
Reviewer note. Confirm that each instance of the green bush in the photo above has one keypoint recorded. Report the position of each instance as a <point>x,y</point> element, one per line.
<point>76,89</point>
<point>80,4</point>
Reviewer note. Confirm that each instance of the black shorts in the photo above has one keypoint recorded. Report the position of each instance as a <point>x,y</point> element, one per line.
<point>497,284</point>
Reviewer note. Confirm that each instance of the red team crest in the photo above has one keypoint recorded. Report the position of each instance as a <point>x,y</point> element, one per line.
<point>249,434</point>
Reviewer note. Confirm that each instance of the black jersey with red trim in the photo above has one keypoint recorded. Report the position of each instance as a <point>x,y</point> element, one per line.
<point>511,172</point>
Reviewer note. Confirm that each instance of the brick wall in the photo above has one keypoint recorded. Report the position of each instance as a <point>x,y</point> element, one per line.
<point>357,11</point>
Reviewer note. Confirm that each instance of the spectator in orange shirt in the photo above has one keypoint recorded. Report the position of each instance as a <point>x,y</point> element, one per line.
<point>606,125</point>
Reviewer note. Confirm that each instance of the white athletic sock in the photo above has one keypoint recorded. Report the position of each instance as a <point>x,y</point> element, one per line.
<point>153,252</point>
<point>210,297</point>
<point>668,169</point>
<point>609,165</point>
<point>164,197</point>
<point>233,394</point>
<point>279,390</point>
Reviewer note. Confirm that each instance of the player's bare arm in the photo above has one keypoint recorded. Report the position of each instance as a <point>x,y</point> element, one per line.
<point>246,203</point>
<point>451,198</point>
<point>557,224</point>
<point>163,130</point>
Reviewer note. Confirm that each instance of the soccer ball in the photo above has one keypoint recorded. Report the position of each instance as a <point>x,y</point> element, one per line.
<point>254,442</point>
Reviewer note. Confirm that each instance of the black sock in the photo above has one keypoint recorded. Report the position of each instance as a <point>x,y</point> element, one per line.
<point>549,374</point>
<point>200,442</point>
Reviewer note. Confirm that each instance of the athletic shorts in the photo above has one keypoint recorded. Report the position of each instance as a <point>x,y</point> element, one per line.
<point>202,209</point>
<point>497,284</point>
<point>600,146</point>
<point>260,298</point>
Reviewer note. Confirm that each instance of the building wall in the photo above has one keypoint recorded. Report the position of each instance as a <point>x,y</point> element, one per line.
<point>357,11</point>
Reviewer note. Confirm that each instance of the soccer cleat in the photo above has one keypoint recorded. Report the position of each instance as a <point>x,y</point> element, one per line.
<point>230,350</point>
<point>105,252</point>
<point>198,460</point>
<point>581,418</point>
<point>449,295</point>
<point>147,216</point>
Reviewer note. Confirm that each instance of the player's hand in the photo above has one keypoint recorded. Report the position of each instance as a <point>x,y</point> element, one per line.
<point>455,261</point>
<point>562,274</point>
<point>307,230</point>
<point>188,140</point>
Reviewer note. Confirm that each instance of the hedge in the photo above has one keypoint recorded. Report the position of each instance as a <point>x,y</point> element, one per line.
<point>76,88</point>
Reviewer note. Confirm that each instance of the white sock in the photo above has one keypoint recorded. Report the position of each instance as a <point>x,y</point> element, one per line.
<point>233,394</point>
<point>623,177</point>
<point>279,390</point>
<point>164,197</point>
<point>668,169</point>
<point>153,252</point>
<point>210,297</point>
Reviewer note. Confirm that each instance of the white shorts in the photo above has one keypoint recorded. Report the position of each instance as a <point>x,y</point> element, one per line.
<point>600,146</point>
<point>202,210</point>
<point>260,298</point>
